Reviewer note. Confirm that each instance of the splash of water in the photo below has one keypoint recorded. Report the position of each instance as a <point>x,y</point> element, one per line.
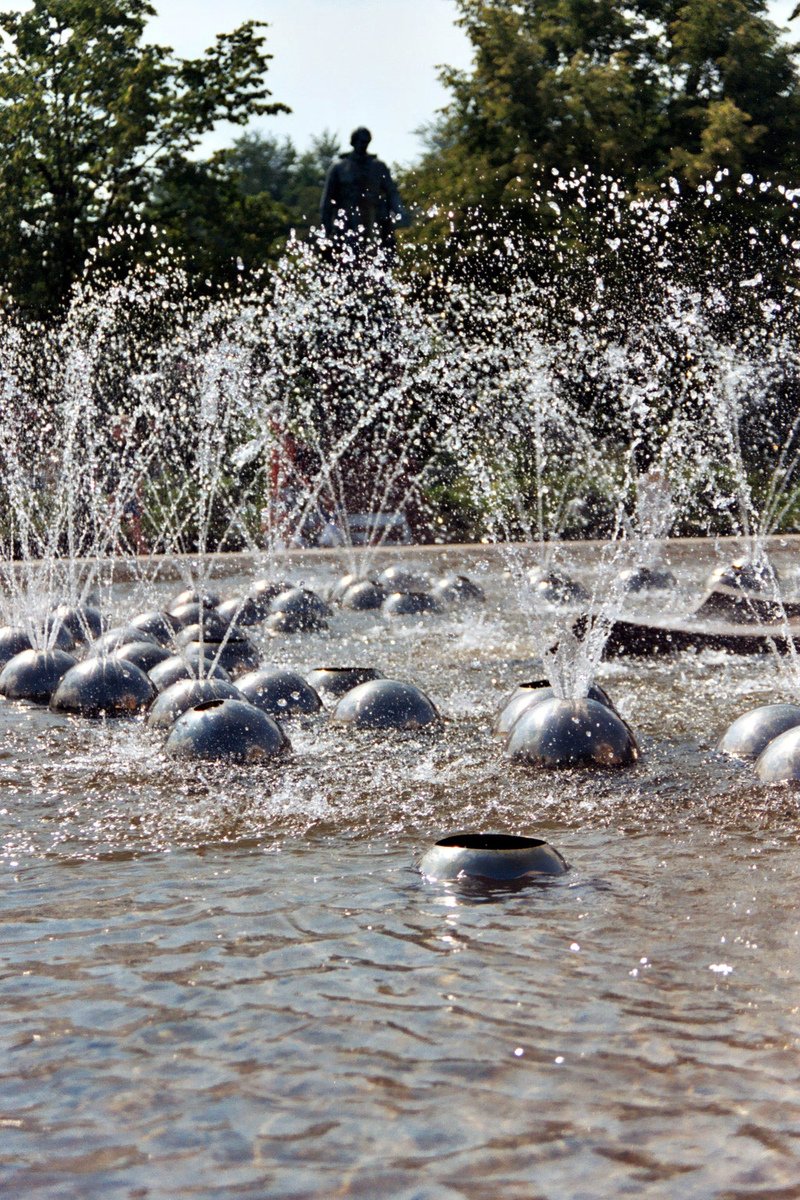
<point>177,426</point>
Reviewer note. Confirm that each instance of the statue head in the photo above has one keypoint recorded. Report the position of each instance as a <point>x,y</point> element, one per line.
<point>359,139</point>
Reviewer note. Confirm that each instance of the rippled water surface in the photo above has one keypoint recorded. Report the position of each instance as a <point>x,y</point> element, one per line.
<point>236,983</point>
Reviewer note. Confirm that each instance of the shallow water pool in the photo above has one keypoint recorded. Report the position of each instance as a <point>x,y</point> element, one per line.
<point>230,982</point>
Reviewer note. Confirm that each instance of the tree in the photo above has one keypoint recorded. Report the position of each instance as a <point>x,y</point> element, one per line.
<point>216,227</point>
<point>292,178</point>
<point>89,118</point>
<point>640,91</point>
<point>734,98</point>
<point>237,209</point>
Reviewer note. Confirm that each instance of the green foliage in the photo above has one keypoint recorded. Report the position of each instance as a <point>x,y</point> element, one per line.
<point>641,92</point>
<point>453,513</point>
<point>90,117</point>
<point>264,166</point>
<point>218,229</point>
<point>236,210</point>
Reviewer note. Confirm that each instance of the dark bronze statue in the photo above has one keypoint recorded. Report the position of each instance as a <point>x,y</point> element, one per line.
<point>360,200</point>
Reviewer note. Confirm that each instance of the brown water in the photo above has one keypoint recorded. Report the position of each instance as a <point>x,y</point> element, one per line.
<point>234,983</point>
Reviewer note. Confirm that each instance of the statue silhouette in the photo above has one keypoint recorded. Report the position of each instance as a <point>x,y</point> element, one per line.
<point>360,200</point>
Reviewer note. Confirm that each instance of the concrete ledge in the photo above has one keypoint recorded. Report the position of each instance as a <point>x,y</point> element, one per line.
<point>694,551</point>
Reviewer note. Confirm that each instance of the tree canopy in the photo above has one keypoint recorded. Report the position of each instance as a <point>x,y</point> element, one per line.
<point>91,117</point>
<point>237,208</point>
<point>292,177</point>
<point>642,91</point>
<point>99,130</point>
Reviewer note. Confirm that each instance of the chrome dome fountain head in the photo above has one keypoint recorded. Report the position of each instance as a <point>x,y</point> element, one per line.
<point>12,641</point>
<point>281,694</point>
<point>184,694</point>
<point>119,635</point>
<point>526,695</point>
<point>751,733</point>
<point>571,733</point>
<point>34,675</point>
<point>779,761</point>
<point>243,610</point>
<point>143,654</point>
<point>491,858</point>
<point>226,730</point>
<point>333,682</point>
<point>186,666</point>
<point>411,604</point>
<point>156,624</point>
<point>83,622</point>
<point>103,686</point>
<point>382,704</point>
<point>363,595</point>
<point>454,590</point>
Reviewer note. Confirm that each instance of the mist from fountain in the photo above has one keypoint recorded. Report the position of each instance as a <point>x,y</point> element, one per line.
<point>265,417</point>
<point>65,478</point>
<point>659,409</point>
<point>356,380</point>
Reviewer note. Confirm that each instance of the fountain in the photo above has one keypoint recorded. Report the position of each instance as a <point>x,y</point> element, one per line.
<point>227,730</point>
<point>499,858</point>
<point>228,890</point>
<point>255,422</point>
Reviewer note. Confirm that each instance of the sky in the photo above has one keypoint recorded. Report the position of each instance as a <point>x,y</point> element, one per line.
<point>337,63</point>
<point>342,63</point>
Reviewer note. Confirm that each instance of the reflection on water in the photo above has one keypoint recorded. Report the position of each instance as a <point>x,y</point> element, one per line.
<point>234,983</point>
